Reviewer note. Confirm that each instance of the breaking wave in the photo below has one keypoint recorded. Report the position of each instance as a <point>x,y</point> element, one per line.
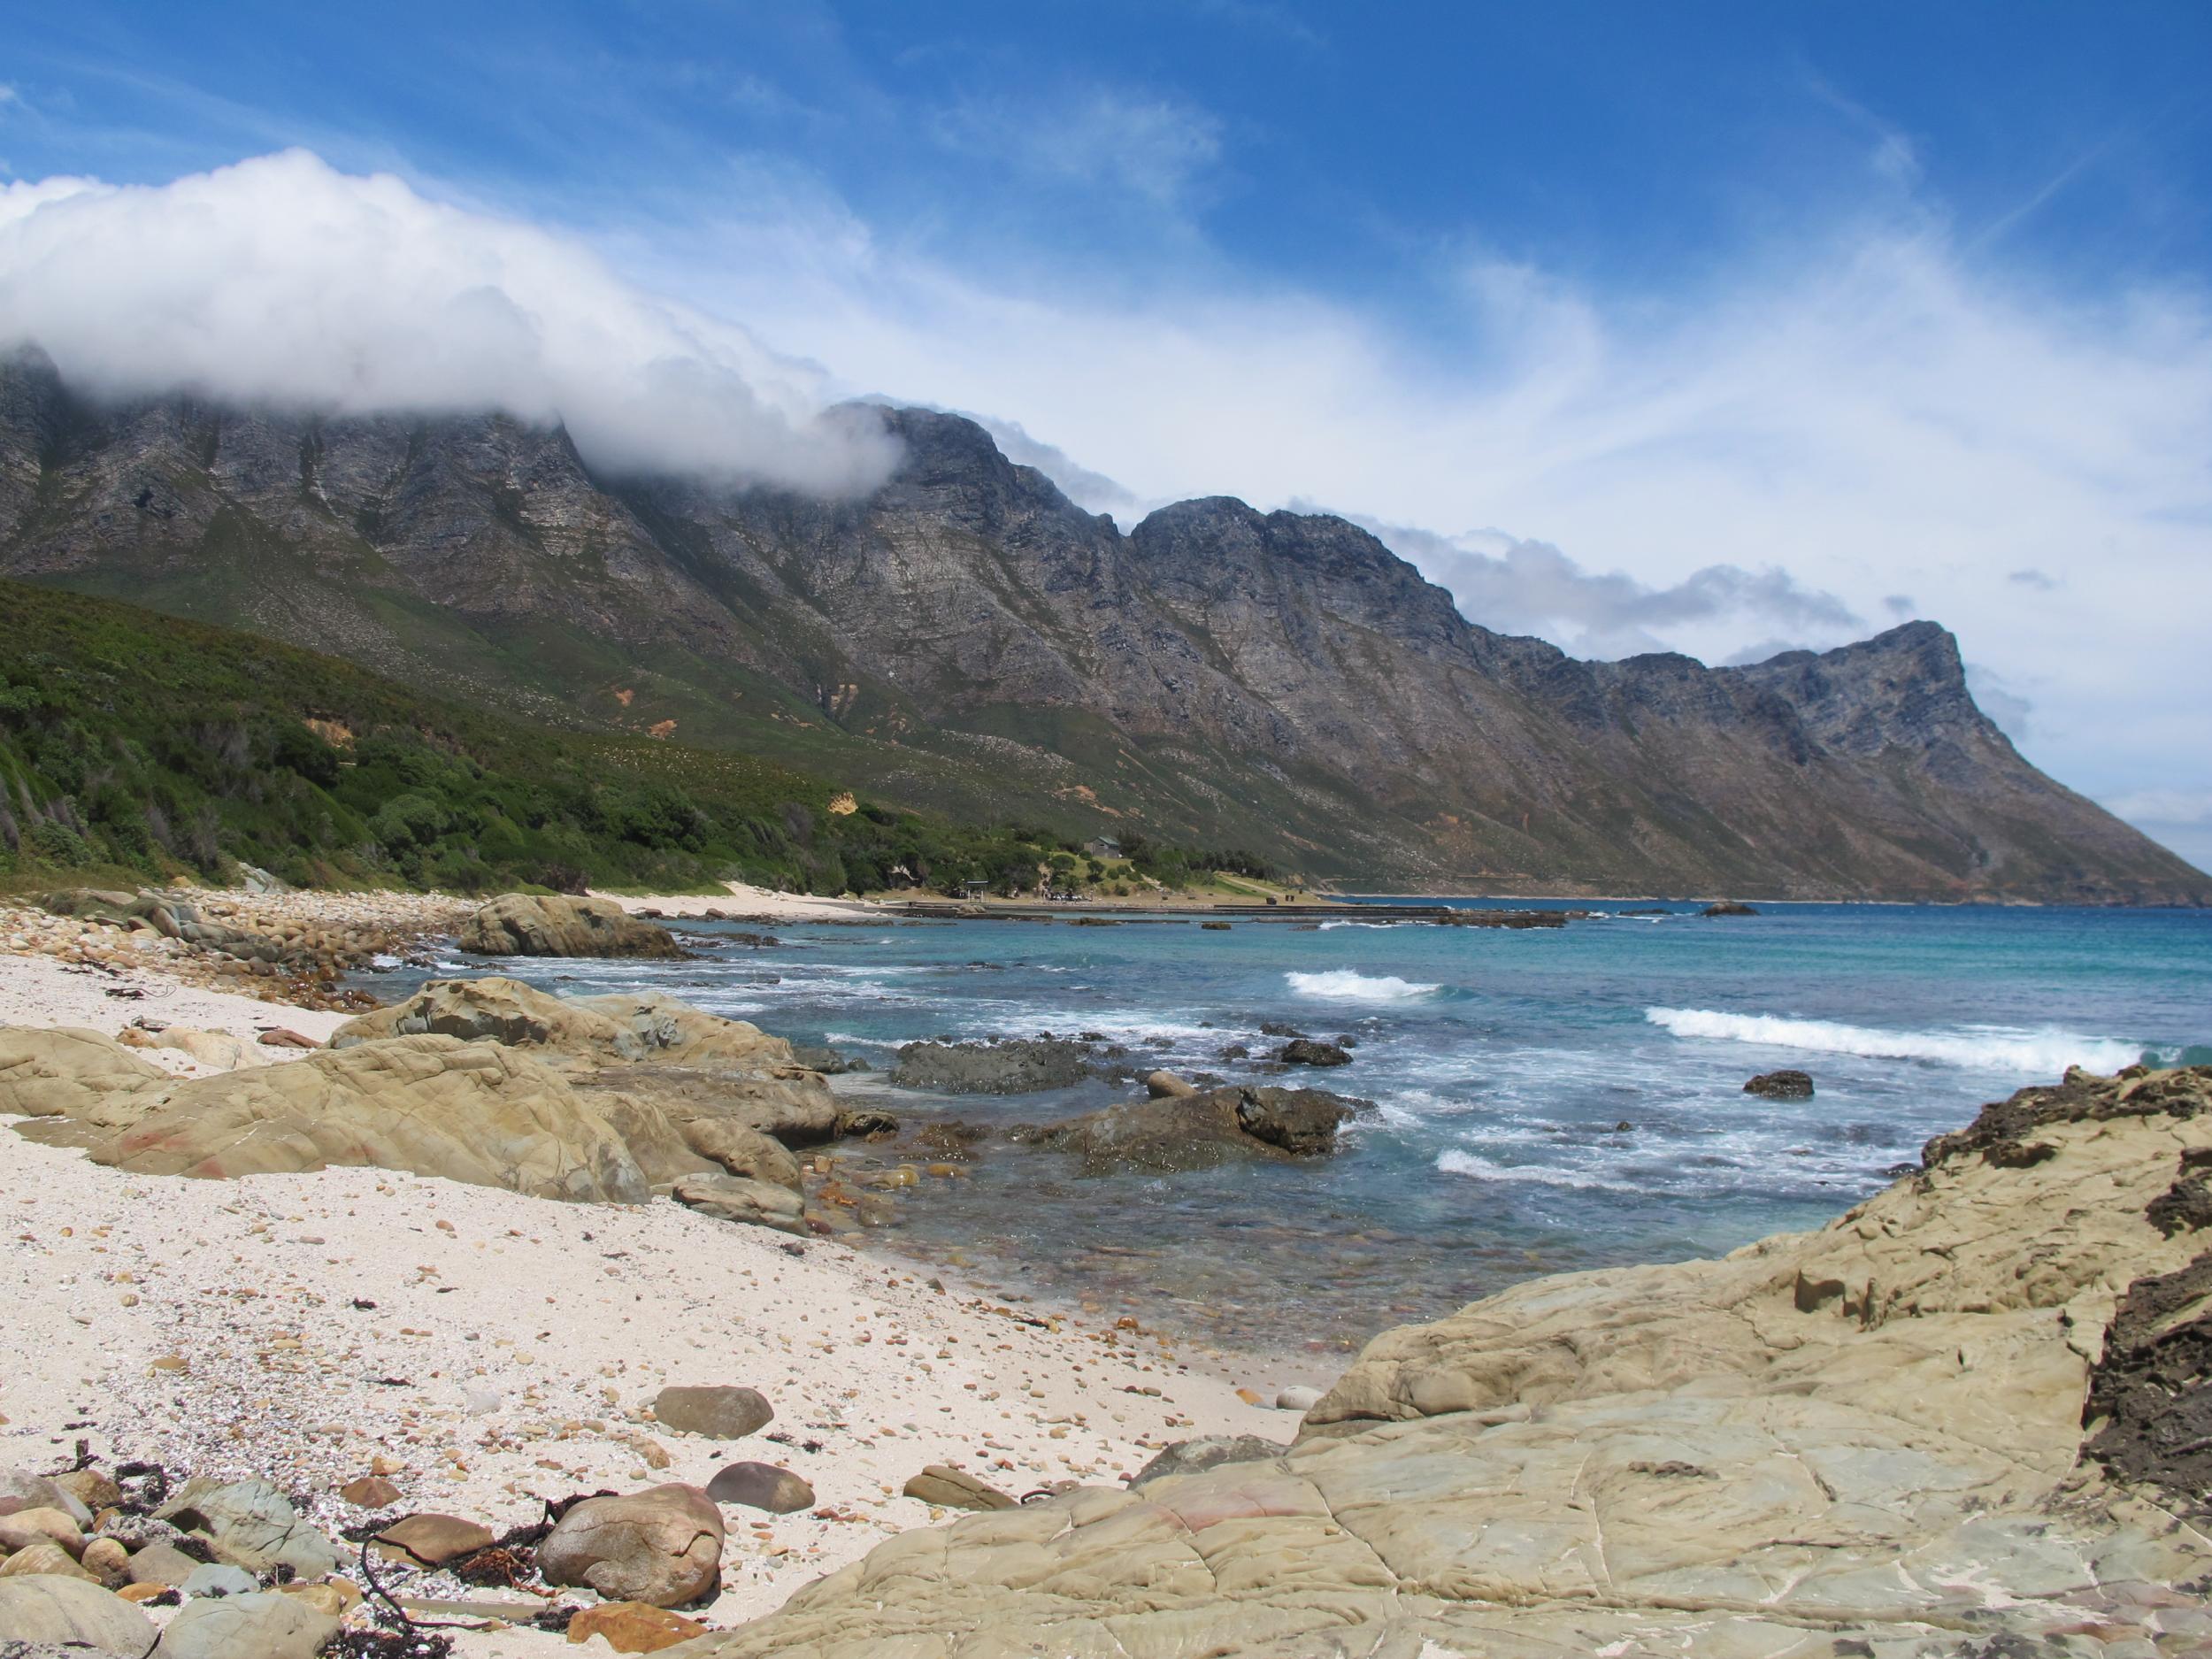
<point>1344,986</point>
<point>2047,1052</point>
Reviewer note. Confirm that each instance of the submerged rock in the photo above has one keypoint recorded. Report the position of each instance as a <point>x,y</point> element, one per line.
<point>1022,1066</point>
<point>1306,1051</point>
<point>1785,1085</point>
<point>1199,1131</point>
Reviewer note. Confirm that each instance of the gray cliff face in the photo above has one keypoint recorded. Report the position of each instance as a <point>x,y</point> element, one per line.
<point>967,638</point>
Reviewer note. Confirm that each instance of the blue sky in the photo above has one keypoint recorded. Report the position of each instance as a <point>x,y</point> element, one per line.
<point>1717,328</point>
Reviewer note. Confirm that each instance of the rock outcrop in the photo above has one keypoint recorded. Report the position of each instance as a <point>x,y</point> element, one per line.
<point>553,924</point>
<point>1865,1440</point>
<point>1172,1133</point>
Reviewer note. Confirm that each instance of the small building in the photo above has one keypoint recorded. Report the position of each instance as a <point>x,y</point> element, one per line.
<point>1102,846</point>
<point>974,889</point>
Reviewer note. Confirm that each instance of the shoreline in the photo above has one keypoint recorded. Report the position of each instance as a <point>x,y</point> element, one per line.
<point>479,1345</point>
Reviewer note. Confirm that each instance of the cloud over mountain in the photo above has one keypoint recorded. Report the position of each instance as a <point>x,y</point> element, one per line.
<point>282,282</point>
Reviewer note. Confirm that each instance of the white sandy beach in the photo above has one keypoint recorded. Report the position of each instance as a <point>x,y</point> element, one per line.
<point>495,1350</point>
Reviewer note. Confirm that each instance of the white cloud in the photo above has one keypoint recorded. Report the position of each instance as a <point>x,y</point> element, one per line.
<point>282,282</point>
<point>1146,145</point>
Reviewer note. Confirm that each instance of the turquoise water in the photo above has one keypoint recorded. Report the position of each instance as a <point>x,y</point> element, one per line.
<point>1547,1100</point>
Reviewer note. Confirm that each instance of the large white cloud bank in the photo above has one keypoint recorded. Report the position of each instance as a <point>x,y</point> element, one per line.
<point>283,283</point>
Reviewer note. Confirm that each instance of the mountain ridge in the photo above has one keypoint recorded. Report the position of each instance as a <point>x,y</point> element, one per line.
<point>967,639</point>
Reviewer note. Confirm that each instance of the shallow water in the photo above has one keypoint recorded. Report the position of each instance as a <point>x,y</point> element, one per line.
<point>1549,1099</point>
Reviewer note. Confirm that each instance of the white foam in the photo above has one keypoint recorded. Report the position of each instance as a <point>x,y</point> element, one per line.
<point>2045,1052</point>
<point>1344,986</point>
<point>1454,1162</point>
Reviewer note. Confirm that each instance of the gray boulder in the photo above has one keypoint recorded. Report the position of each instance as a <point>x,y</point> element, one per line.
<point>249,1524</point>
<point>1020,1067</point>
<point>719,1412</point>
<point>258,1625</point>
<point>1198,1132</point>
<point>1191,1457</point>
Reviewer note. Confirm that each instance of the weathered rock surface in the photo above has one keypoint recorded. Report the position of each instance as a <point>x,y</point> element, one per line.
<point>1197,1132</point>
<point>84,1076</point>
<point>743,1151</point>
<point>744,1201</point>
<point>249,1524</point>
<point>554,924</point>
<point>661,1546</point>
<point>1193,1457</point>
<point>67,1611</point>
<point>1868,1438</point>
<point>1022,1066</point>
<point>1783,1085</point>
<point>580,1031</point>
<point>720,1411</point>
<point>470,1111</point>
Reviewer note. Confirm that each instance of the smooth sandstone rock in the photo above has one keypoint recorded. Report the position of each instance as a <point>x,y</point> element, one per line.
<point>370,1492</point>
<point>761,1487</point>
<point>633,1626</point>
<point>80,1076</point>
<point>1167,1086</point>
<point>554,924</point>
<point>661,1546</point>
<point>432,1539</point>
<point>617,1029</point>
<point>1866,1439</point>
<point>43,1561</point>
<point>956,1489</point>
<point>743,1152</point>
<point>20,1489</point>
<point>261,1624</point>
<point>26,1527</point>
<point>107,1561</point>
<point>219,1577</point>
<point>162,1564</point>
<point>63,1610</point>
<point>719,1412</point>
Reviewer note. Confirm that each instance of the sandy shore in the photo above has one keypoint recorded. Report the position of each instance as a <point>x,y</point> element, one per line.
<point>752,903</point>
<point>496,1350</point>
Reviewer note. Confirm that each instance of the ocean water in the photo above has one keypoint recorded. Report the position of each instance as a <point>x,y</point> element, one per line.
<point>1546,1100</point>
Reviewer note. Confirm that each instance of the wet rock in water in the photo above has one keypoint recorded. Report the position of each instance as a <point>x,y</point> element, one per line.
<point>744,1151</point>
<point>71,1610</point>
<point>370,1492</point>
<point>1191,1457</point>
<point>661,1546</point>
<point>865,1124</point>
<point>1215,927</point>
<point>1728,906</point>
<point>954,1489</point>
<point>1021,1066</point>
<point>1198,1132</point>
<point>1167,1086</point>
<point>1785,1085</point>
<point>741,1199</point>
<point>828,1061</point>
<point>1276,1028</point>
<point>633,1626</point>
<point>951,1138</point>
<point>719,1412</point>
<point>761,1487</point>
<point>1236,1051</point>
<point>553,924</point>
<point>1305,1051</point>
<point>249,1524</point>
<point>260,1624</point>
<point>431,1540</point>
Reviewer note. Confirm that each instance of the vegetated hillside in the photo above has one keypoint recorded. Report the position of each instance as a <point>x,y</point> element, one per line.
<point>967,640</point>
<point>135,740</point>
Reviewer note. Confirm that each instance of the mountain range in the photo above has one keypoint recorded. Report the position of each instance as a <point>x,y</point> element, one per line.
<point>966,640</point>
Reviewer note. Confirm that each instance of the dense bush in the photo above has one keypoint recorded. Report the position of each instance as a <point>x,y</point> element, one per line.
<point>137,741</point>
